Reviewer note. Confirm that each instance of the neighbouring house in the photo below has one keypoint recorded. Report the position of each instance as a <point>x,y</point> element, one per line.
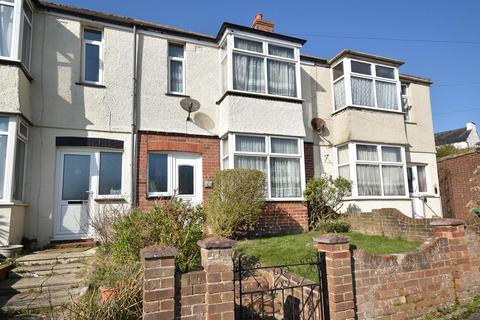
<point>91,117</point>
<point>461,138</point>
<point>459,174</point>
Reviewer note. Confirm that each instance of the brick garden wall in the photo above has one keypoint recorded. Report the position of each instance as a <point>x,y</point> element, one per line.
<point>278,217</point>
<point>391,223</point>
<point>455,173</point>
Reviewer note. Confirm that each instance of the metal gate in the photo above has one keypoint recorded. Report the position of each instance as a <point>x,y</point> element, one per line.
<point>277,293</point>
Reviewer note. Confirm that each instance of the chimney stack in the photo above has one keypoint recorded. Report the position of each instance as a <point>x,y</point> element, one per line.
<point>260,24</point>
<point>471,126</point>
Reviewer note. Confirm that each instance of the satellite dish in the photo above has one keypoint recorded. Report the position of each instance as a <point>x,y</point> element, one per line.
<point>318,124</point>
<point>190,105</point>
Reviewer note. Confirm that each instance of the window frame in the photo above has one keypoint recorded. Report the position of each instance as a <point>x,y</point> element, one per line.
<point>229,39</point>
<point>100,54</point>
<point>347,76</point>
<point>183,61</point>
<point>267,155</point>
<point>16,29</point>
<point>98,163</point>
<point>174,159</point>
<point>353,162</point>
<point>416,187</point>
<point>24,18</point>
<point>406,110</point>
<point>24,139</point>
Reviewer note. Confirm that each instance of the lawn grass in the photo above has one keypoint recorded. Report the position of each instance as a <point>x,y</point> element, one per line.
<point>290,249</point>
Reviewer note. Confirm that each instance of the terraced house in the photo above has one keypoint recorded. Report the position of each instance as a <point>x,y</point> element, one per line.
<point>91,115</point>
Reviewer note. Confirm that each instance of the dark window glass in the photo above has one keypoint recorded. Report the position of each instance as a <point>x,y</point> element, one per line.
<point>410,180</point>
<point>360,67</point>
<point>157,172</point>
<point>175,50</point>
<point>385,72</point>
<point>338,71</point>
<point>93,35</point>
<point>185,180</point>
<point>92,62</point>
<point>110,173</point>
<point>76,177</point>
<point>19,170</point>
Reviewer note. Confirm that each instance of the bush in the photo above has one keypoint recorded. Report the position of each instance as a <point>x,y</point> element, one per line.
<point>236,202</point>
<point>175,223</point>
<point>332,226</point>
<point>324,197</point>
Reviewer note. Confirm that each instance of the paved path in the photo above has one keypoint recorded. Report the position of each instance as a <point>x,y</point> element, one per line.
<point>46,279</point>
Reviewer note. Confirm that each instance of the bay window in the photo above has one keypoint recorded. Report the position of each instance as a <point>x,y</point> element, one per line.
<point>365,84</point>
<point>4,129</point>
<point>280,158</point>
<point>260,66</point>
<point>375,170</point>
<point>20,161</point>
<point>27,34</point>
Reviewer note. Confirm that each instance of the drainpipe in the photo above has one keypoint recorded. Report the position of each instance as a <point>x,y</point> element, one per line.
<point>134,121</point>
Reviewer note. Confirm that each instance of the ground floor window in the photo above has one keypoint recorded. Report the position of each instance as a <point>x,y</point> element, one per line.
<point>20,161</point>
<point>174,174</point>
<point>417,178</point>
<point>375,170</point>
<point>280,158</point>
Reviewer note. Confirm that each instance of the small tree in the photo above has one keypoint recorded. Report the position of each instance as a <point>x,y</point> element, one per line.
<point>324,197</point>
<point>236,202</point>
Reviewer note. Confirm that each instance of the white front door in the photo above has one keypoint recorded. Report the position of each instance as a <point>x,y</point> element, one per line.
<point>188,178</point>
<point>74,185</point>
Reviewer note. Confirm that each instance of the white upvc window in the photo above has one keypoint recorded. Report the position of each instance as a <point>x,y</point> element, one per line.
<point>20,161</point>
<point>92,56</point>
<point>7,30</point>
<point>176,68</point>
<point>404,98</point>
<point>27,31</point>
<point>280,158</point>
<point>365,84</point>
<point>375,170</point>
<point>110,164</point>
<point>417,179</point>
<point>260,65</point>
<point>174,173</point>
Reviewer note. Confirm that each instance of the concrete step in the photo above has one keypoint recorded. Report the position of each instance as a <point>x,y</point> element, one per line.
<point>35,300</point>
<point>47,270</point>
<point>55,256</point>
<point>39,284</point>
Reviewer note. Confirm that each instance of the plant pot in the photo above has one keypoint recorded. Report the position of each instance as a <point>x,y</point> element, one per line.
<point>107,293</point>
<point>10,251</point>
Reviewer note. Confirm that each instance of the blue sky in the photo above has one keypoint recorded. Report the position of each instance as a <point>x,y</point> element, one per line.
<point>452,60</point>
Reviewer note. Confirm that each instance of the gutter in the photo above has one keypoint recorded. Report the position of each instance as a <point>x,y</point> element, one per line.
<point>134,122</point>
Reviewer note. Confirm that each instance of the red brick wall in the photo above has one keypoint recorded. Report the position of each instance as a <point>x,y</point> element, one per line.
<point>208,147</point>
<point>411,285</point>
<point>455,185</point>
<point>285,216</point>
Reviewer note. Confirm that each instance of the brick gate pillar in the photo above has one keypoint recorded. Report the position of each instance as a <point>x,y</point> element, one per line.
<point>339,275</point>
<point>159,282</point>
<point>217,254</point>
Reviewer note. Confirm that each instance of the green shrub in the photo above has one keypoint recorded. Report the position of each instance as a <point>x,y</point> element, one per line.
<point>333,226</point>
<point>324,197</point>
<point>175,223</point>
<point>236,202</point>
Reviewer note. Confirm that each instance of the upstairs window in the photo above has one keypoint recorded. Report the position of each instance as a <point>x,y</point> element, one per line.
<point>176,68</point>
<point>263,67</point>
<point>365,84</point>
<point>6,27</point>
<point>27,34</point>
<point>92,56</point>
<point>404,100</point>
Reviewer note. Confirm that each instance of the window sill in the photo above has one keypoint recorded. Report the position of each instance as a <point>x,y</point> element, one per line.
<point>87,84</point>
<point>158,196</point>
<point>285,200</point>
<point>410,122</point>
<point>13,203</point>
<point>366,108</point>
<point>258,96</point>
<point>173,94</point>
<point>18,63</point>
<point>109,198</point>
<point>377,198</point>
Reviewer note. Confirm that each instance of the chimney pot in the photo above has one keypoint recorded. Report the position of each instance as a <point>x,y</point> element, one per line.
<point>260,24</point>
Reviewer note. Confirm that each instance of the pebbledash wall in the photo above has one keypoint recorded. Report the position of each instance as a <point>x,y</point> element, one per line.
<point>457,178</point>
<point>360,285</point>
<point>278,216</point>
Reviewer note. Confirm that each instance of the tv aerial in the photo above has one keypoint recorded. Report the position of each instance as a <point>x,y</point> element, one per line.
<point>190,105</point>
